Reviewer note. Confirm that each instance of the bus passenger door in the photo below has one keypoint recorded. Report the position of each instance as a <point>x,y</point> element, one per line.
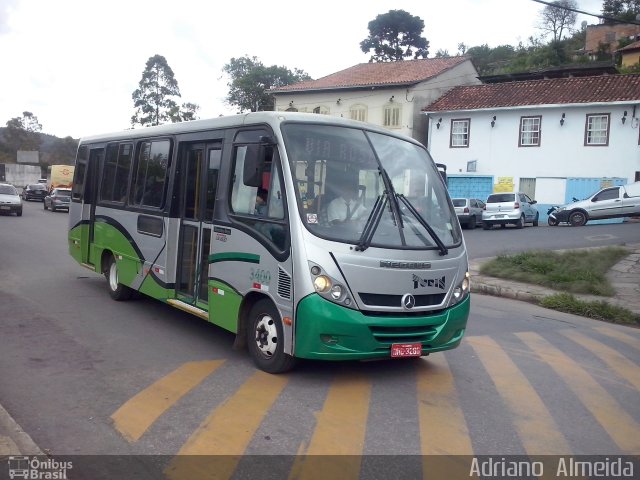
<point>96,156</point>
<point>199,168</point>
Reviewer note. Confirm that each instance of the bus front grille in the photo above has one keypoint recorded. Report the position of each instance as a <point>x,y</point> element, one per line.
<point>384,300</point>
<point>390,335</point>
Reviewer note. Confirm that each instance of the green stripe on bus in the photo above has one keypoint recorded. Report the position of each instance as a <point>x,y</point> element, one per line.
<point>234,257</point>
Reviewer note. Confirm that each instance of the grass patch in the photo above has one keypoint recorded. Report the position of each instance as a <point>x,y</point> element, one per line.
<point>565,302</point>
<point>572,271</point>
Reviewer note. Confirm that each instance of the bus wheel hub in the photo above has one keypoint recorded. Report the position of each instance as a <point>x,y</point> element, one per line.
<point>266,336</point>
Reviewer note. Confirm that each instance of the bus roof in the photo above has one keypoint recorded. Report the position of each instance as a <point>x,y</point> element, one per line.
<point>254,118</point>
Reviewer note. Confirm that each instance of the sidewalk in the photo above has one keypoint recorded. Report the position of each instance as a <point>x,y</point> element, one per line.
<point>624,276</point>
<point>14,440</point>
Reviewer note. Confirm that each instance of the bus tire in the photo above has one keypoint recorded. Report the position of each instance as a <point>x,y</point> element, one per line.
<point>265,338</point>
<point>117,291</point>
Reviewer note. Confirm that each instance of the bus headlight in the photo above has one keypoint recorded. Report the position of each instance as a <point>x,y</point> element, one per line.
<point>322,283</point>
<point>336,292</point>
<point>330,288</point>
<point>461,290</point>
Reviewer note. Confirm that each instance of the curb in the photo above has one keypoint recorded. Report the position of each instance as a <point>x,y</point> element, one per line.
<point>16,441</point>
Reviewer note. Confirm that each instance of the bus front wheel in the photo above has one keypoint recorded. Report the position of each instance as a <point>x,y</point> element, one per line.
<point>117,291</point>
<point>265,339</point>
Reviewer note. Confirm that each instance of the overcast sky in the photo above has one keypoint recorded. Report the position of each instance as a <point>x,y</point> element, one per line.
<point>75,63</point>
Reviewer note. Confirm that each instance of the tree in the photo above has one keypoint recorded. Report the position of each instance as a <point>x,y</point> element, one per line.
<point>557,20</point>
<point>395,35</point>
<point>154,98</point>
<point>251,81</point>
<point>624,10</point>
<point>23,133</point>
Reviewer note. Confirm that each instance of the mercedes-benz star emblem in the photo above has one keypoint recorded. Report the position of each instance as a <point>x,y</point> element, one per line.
<point>408,301</point>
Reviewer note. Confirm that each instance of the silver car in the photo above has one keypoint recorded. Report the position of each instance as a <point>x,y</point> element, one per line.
<point>509,208</point>
<point>58,199</point>
<point>10,201</point>
<point>469,211</point>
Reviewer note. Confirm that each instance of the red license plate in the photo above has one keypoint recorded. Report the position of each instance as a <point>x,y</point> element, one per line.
<point>401,350</point>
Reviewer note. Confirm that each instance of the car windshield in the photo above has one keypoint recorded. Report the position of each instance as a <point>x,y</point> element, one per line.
<point>459,202</point>
<point>8,190</point>
<point>341,174</point>
<point>37,186</point>
<point>62,193</point>
<point>501,197</point>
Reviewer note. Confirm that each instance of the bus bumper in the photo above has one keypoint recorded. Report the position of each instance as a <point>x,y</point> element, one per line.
<point>328,331</point>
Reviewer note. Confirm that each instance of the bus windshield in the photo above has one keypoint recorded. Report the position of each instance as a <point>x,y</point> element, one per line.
<point>350,180</point>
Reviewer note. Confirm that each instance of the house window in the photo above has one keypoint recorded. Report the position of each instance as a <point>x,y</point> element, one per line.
<point>392,114</point>
<point>530,131</point>
<point>460,132</point>
<point>322,110</point>
<point>358,112</point>
<point>597,130</point>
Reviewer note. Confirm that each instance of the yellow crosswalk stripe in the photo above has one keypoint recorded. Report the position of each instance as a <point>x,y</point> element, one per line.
<point>536,427</point>
<point>340,432</point>
<point>620,426</point>
<point>618,335</point>
<point>443,429</point>
<point>617,362</point>
<point>134,417</point>
<point>220,441</point>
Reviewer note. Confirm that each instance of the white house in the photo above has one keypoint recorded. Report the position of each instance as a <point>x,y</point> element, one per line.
<point>390,94</point>
<point>553,139</point>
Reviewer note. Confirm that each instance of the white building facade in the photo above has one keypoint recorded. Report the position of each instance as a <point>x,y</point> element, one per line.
<point>390,94</point>
<point>552,139</point>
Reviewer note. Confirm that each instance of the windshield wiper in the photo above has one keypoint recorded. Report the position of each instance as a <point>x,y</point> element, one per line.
<point>372,223</point>
<point>392,196</point>
<point>441,246</point>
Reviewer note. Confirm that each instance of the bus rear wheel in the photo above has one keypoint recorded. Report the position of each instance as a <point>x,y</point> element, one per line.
<point>117,291</point>
<point>265,338</point>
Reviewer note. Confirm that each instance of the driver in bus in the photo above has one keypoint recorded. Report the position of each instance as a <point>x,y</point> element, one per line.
<point>347,206</point>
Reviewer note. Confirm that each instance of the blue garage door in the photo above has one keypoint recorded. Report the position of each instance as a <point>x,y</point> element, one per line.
<point>470,186</point>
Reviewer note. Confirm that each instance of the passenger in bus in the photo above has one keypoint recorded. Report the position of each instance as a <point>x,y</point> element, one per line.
<point>261,202</point>
<point>347,206</point>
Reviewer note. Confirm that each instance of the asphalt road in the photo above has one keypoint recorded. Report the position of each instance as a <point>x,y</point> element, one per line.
<point>488,243</point>
<point>83,374</point>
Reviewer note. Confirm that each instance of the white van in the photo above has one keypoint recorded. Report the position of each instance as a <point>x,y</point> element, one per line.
<point>610,202</point>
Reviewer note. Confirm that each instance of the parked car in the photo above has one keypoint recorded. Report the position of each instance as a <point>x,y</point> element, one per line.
<point>509,208</point>
<point>34,191</point>
<point>10,201</point>
<point>58,199</point>
<point>611,202</point>
<point>469,211</point>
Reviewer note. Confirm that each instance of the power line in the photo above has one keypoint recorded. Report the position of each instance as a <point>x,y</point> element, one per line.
<point>604,17</point>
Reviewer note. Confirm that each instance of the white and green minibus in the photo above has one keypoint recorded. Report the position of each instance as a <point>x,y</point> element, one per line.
<point>234,219</point>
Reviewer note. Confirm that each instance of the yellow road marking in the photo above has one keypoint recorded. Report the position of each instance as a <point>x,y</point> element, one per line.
<point>618,335</point>
<point>443,429</point>
<point>222,438</point>
<point>620,426</point>
<point>617,362</point>
<point>340,432</point>
<point>536,427</point>
<point>134,417</point>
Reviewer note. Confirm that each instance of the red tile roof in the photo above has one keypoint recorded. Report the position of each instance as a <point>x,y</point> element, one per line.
<point>630,47</point>
<point>406,72</point>
<point>603,88</point>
